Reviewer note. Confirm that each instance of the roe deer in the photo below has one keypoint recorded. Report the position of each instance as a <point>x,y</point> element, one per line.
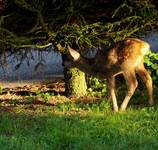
<point>124,57</point>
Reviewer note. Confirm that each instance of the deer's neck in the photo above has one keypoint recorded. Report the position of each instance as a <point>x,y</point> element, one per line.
<point>86,65</point>
<point>101,70</point>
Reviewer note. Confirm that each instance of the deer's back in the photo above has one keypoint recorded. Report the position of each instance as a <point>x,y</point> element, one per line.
<point>129,52</point>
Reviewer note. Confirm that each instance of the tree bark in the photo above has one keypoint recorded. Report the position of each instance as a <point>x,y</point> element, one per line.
<point>75,82</point>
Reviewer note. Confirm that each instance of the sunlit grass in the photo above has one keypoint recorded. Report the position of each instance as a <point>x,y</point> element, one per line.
<point>77,126</point>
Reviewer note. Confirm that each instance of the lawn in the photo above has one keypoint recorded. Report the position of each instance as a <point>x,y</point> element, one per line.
<point>47,122</point>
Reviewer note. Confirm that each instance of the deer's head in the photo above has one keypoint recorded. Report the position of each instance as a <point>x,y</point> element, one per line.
<point>75,59</point>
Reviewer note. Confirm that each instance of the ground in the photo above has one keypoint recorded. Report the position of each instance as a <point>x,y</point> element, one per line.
<point>41,117</point>
<point>38,95</point>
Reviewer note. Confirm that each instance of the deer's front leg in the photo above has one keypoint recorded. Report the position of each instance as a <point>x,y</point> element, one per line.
<point>132,85</point>
<point>111,84</point>
<point>143,73</point>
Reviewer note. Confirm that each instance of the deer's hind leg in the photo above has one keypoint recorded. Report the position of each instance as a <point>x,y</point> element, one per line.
<point>145,76</point>
<point>132,83</point>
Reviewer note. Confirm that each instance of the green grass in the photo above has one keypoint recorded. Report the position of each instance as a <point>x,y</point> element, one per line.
<point>77,126</point>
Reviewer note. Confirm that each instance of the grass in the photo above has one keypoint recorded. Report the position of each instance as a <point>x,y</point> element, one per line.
<point>33,124</point>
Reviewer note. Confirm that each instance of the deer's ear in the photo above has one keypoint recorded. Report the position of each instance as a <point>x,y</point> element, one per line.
<point>74,53</point>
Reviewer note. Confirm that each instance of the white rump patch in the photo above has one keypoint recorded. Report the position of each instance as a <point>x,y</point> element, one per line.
<point>145,49</point>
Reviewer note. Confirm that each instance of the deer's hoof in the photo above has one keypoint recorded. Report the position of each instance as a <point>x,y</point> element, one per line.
<point>122,109</point>
<point>115,109</point>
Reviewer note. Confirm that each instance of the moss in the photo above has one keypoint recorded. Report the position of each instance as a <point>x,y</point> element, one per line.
<point>75,82</point>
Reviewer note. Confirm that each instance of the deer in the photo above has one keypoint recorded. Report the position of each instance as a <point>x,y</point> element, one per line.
<point>123,57</point>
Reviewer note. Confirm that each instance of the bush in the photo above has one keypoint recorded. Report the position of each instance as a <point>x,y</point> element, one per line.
<point>151,61</point>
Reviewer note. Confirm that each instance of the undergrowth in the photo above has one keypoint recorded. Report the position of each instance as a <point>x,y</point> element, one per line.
<point>76,125</point>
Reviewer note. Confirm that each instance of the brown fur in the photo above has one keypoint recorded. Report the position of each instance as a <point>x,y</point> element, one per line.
<point>126,57</point>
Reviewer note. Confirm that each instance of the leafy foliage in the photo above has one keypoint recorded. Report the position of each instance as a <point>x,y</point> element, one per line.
<point>74,22</point>
<point>97,87</point>
<point>83,23</point>
<point>151,61</point>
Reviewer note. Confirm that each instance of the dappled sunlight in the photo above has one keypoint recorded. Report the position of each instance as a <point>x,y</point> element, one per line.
<point>40,99</point>
<point>97,130</point>
<point>40,118</point>
<point>48,104</point>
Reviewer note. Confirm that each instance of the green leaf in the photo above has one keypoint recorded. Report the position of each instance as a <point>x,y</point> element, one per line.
<point>157,72</point>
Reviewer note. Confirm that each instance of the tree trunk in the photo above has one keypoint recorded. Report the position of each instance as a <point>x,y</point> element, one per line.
<point>75,82</point>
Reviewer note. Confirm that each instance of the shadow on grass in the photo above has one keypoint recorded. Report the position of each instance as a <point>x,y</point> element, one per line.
<point>86,124</point>
<point>129,130</point>
<point>15,102</point>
